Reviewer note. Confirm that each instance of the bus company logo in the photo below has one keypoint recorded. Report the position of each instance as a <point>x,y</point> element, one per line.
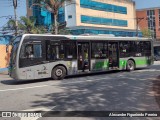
<point>6,114</point>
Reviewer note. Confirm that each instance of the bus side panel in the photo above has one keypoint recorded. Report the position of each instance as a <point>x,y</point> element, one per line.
<point>139,62</point>
<point>71,66</point>
<point>39,71</point>
<point>99,64</point>
<point>143,61</point>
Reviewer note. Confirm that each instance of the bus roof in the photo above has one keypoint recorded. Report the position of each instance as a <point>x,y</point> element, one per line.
<point>90,37</point>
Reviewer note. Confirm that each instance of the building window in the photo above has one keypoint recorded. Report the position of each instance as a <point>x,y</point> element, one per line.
<point>102,6</point>
<point>103,21</point>
<point>151,22</point>
<point>69,16</point>
<point>95,31</point>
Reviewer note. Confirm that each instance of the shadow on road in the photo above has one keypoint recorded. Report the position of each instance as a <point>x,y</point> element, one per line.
<point>156,90</point>
<point>122,92</point>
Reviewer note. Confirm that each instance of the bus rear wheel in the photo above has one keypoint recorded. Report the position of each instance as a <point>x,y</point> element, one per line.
<point>130,65</point>
<point>58,73</point>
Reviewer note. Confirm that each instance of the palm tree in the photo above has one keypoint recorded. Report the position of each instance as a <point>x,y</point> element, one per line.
<point>11,25</point>
<point>52,6</point>
<point>26,24</point>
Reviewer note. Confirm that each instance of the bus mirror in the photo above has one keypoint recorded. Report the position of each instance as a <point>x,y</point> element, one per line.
<point>7,48</point>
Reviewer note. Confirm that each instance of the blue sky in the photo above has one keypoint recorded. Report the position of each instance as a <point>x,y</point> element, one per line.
<point>7,9</point>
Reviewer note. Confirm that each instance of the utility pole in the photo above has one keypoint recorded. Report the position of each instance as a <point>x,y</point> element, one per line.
<point>15,14</point>
<point>138,21</point>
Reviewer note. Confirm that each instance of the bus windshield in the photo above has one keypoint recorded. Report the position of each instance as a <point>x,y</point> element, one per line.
<point>14,49</point>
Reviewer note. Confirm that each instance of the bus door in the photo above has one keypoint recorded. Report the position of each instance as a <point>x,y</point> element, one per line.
<point>113,55</point>
<point>83,56</point>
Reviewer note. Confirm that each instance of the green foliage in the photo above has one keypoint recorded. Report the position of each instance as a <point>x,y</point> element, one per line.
<point>146,33</point>
<point>11,25</point>
<point>25,25</point>
<point>61,29</point>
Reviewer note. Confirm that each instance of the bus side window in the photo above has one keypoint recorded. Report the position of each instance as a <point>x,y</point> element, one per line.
<point>55,51</point>
<point>31,51</point>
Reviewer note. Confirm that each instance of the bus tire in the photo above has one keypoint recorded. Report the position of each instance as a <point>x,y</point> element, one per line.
<point>130,65</point>
<point>58,73</point>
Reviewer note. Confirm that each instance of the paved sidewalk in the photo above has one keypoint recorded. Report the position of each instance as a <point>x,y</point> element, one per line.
<point>156,62</point>
<point>4,77</point>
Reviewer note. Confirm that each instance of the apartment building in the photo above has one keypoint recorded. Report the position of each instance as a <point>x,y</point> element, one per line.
<point>92,17</point>
<point>150,19</point>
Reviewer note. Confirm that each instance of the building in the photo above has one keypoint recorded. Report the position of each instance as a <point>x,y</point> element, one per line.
<point>4,56</point>
<point>150,19</point>
<point>93,16</point>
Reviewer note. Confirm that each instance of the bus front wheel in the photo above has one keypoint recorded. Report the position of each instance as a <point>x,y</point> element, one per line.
<point>58,73</point>
<point>130,65</point>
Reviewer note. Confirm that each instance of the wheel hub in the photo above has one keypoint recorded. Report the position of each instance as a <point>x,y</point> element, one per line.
<point>131,66</point>
<point>59,72</point>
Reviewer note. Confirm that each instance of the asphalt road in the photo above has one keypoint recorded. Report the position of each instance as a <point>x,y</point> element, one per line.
<point>110,91</point>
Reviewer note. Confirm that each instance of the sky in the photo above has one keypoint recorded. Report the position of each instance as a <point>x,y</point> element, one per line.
<point>6,8</point>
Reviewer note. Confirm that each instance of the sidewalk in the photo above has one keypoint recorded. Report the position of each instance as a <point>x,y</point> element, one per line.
<point>5,77</point>
<point>156,62</point>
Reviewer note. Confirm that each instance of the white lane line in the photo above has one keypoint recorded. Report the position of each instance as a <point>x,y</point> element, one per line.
<point>24,88</point>
<point>76,81</point>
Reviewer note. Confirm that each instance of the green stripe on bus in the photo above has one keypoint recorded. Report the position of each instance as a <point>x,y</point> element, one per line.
<point>101,64</point>
<point>142,62</point>
<point>123,63</point>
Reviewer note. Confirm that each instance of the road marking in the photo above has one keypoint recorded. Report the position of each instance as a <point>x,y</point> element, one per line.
<point>24,88</point>
<point>5,90</point>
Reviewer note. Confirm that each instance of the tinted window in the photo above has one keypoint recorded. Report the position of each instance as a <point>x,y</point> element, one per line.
<point>135,48</point>
<point>31,51</point>
<point>99,50</point>
<point>70,50</point>
<point>55,51</point>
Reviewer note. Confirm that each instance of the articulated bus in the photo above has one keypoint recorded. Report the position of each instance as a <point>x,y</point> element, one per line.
<point>36,56</point>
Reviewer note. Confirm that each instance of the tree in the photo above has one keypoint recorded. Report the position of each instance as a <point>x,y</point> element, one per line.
<point>146,33</point>
<point>62,29</point>
<point>52,6</point>
<point>25,25</point>
<point>11,25</point>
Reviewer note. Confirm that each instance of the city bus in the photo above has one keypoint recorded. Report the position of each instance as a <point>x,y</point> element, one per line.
<point>37,56</point>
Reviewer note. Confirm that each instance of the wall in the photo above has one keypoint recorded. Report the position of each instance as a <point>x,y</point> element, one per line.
<point>130,16</point>
<point>157,24</point>
<point>4,56</point>
<point>70,10</point>
<point>143,24</point>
